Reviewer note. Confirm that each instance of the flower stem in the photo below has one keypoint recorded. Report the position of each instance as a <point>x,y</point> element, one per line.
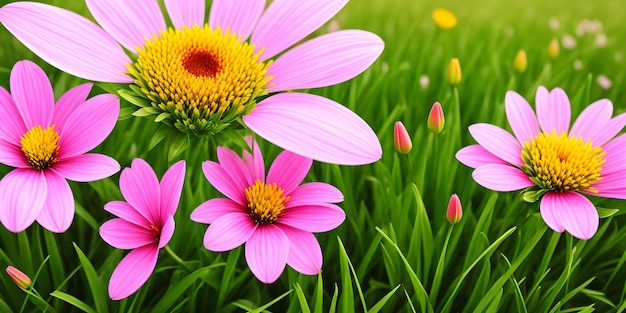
<point>440,267</point>
<point>176,258</point>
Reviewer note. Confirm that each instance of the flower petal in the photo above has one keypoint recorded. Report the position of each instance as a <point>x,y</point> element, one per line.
<point>11,124</point>
<point>500,177</point>
<point>186,12</point>
<point>313,218</point>
<point>316,128</point>
<point>288,171</point>
<point>235,167</point>
<point>12,155</point>
<point>326,60</point>
<point>609,130</point>
<point>314,193</point>
<point>129,22</point>
<point>229,231</point>
<point>89,125</point>
<point>553,110</point>
<point>592,119</point>
<point>521,117</point>
<point>167,231</point>
<point>286,22</point>
<point>68,41</point>
<point>133,271</point>
<point>58,211</point>
<point>573,212</point>
<point>171,187</point>
<point>68,104</point>
<point>140,187</point>
<point>267,252</point>
<point>32,93</point>
<point>87,167</point>
<point>254,160</point>
<point>305,253</point>
<point>23,194</point>
<point>209,211</point>
<point>220,179</point>
<point>475,156</point>
<point>498,142</point>
<point>122,234</point>
<point>238,16</point>
<point>615,156</point>
<point>549,211</point>
<point>126,212</point>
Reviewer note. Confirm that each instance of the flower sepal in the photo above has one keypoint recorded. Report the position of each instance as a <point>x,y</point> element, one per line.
<point>606,212</point>
<point>532,195</point>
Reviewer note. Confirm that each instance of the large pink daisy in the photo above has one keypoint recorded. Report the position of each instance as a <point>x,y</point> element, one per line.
<point>273,215</point>
<point>555,162</point>
<point>201,75</point>
<point>47,144</point>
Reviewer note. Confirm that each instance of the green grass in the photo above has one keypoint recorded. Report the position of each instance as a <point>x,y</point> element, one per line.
<point>395,252</point>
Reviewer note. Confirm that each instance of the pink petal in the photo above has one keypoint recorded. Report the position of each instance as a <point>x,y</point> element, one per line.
<point>167,231</point>
<point>122,234</point>
<point>171,187</point>
<point>615,155</point>
<point>313,218</point>
<point>475,156</point>
<point>609,130</point>
<point>326,60</point>
<point>498,142</point>
<point>67,40</point>
<point>221,180</point>
<point>235,167</point>
<point>58,211</point>
<point>611,181</point>
<point>305,254</point>
<point>608,193</point>
<point>267,252</point>
<point>11,124</point>
<point>229,231</point>
<point>254,160</point>
<point>89,125</point>
<point>126,212</point>
<point>238,16</point>
<point>68,103</point>
<point>553,110</point>
<point>129,22</point>
<point>549,211</point>
<point>22,197</point>
<point>87,167</point>
<point>209,211</point>
<point>316,128</point>
<point>573,212</point>
<point>521,117</point>
<point>186,12</point>
<point>32,93</point>
<point>140,187</point>
<point>314,193</point>
<point>592,119</point>
<point>12,155</point>
<point>501,177</point>
<point>133,271</point>
<point>288,171</point>
<point>286,22</point>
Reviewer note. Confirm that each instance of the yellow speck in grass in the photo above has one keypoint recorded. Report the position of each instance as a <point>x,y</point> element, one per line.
<point>444,18</point>
<point>40,147</point>
<point>265,202</point>
<point>520,62</point>
<point>553,48</point>
<point>560,163</point>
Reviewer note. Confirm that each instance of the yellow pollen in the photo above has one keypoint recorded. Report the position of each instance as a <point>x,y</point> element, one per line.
<point>155,231</point>
<point>265,202</point>
<point>558,163</point>
<point>40,147</point>
<point>201,78</point>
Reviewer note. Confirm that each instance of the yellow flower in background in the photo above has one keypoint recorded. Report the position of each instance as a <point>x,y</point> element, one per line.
<point>521,62</point>
<point>553,48</point>
<point>444,18</point>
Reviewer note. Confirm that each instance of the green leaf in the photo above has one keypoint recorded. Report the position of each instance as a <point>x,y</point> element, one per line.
<point>379,305</point>
<point>73,301</point>
<point>159,135</point>
<point>604,213</point>
<point>304,306</point>
<point>125,113</point>
<point>178,144</point>
<point>146,111</point>
<point>162,116</point>
<point>173,294</point>
<point>260,309</point>
<point>96,285</point>
<point>134,99</point>
<point>319,294</point>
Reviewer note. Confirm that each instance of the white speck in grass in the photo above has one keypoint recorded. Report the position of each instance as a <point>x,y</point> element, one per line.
<point>424,81</point>
<point>604,82</point>
<point>384,67</point>
<point>568,42</point>
<point>554,23</point>
<point>618,56</point>
<point>588,26</point>
<point>578,65</point>
<point>333,26</point>
<point>601,40</point>
<point>509,31</point>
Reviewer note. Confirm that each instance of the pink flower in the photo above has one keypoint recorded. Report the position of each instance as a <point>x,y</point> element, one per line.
<point>47,144</point>
<point>145,223</point>
<point>454,212</point>
<point>555,162</point>
<point>274,215</point>
<point>203,74</point>
<point>19,278</point>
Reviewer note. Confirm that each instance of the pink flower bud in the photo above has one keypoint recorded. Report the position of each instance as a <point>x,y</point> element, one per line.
<point>20,279</point>
<point>436,119</point>
<point>455,211</point>
<point>401,138</point>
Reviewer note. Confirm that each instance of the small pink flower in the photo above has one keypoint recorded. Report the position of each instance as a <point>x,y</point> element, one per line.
<point>145,223</point>
<point>48,144</point>
<point>21,280</point>
<point>454,213</point>
<point>273,215</point>
<point>401,139</point>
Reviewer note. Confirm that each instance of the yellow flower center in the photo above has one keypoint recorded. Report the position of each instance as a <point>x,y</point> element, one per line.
<point>265,202</point>
<point>40,147</point>
<point>199,79</point>
<point>558,163</point>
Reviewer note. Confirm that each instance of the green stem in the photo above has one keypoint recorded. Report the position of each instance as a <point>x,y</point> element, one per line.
<point>176,258</point>
<point>434,290</point>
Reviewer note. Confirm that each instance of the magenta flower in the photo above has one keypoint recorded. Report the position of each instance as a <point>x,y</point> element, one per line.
<point>274,215</point>
<point>552,160</point>
<point>47,144</point>
<point>204,74</point>
<point>145,223</point>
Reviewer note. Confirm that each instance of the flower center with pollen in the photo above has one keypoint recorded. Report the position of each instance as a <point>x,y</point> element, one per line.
<point>40,147</point>
<point>558,163</point>
<point>265,202</point>
<point>199,79</point>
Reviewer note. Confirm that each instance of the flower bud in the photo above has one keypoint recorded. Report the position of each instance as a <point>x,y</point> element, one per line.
<point>455,211</point>
<point>401,138</point>
<point>553,48</point>
<point>444,19</point>
<point>20,279</point>
<point>520,63</point>
<point>454,72</point>
<point>436,119</point>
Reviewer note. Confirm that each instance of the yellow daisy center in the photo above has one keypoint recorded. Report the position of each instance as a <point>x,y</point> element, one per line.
<point>560,163</point>
<point>40,147</point>
<point>265,202</point>
<point>199,79</point>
